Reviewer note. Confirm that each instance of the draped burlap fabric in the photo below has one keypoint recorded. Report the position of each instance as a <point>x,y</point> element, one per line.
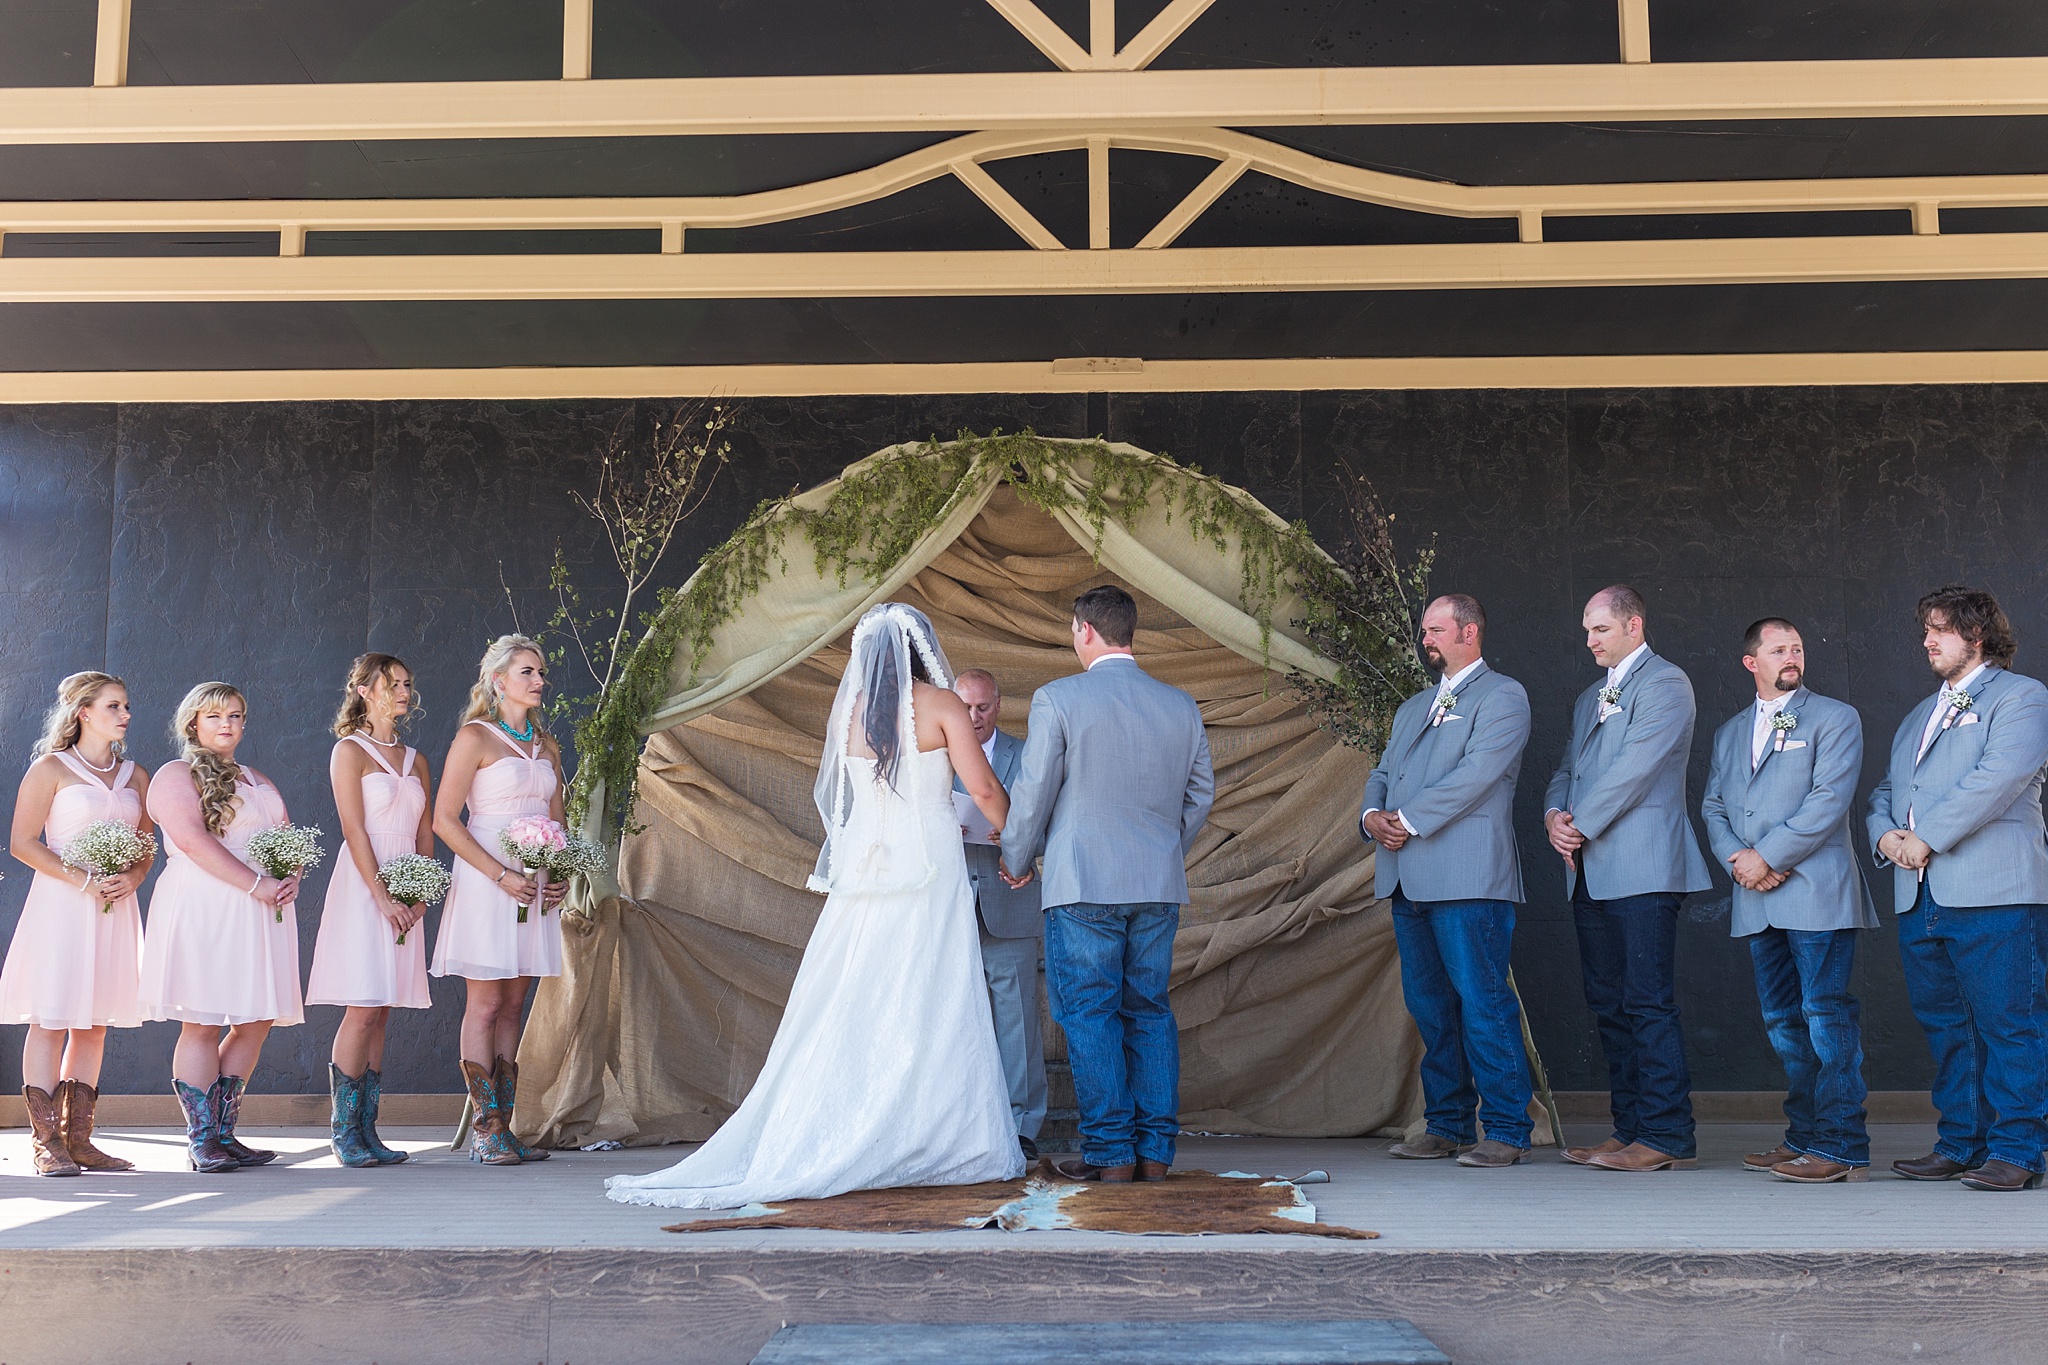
<point>1285,980</point>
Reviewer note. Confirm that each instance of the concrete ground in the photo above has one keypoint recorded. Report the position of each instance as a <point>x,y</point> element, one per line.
<point>439,1199</point>
<point>439,1260</point>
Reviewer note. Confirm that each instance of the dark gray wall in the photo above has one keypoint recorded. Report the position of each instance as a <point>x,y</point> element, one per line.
<point>269,544</point>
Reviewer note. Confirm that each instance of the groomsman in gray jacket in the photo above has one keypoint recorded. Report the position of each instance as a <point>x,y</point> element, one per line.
<point>1440,805</point>
<point>1777,813</point>
<point>1958,818</point>
<point>1116,784</point>
<point>1616,813</point>
<point>1012,925</point>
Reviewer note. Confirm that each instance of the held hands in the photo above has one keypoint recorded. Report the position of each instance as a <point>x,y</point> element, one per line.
<point>402,916</point>
<point>1387,830</point>
<point>119,887</point>
<point>1906,849</point>
<point>1753,873</point>
<point>1564,835</point>
<point>1014,883</point>
<point>277,894</point>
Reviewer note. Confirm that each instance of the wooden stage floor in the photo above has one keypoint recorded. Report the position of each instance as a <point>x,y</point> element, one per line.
<point>443,1260</point>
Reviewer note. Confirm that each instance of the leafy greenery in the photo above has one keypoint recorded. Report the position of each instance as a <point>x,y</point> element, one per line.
<point>875,516</point>
<point>1365,619</point>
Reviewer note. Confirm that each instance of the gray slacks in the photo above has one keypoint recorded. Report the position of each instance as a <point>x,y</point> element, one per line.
<point>1011,968</point>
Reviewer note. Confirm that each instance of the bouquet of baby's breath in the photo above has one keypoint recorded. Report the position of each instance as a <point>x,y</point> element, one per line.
<point>285,850</point>
<point>578,856</point>
<point>107,848</point>
<point>414,880</point>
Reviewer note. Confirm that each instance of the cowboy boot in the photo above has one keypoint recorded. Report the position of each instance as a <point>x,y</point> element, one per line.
<point>344,1123</point>
<point>373,1097</point>
<point>47,1133</point>
<point>202,1132</point>
<point>505,1082</point>
<point>76,1101</point>
<point>226,1095</point>
<point>489,1143</point>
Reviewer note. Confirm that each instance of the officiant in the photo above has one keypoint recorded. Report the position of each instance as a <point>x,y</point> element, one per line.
<point>1012,923</point>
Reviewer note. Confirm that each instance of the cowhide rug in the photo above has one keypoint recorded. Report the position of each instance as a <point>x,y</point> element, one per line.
<point>1186,1203</point>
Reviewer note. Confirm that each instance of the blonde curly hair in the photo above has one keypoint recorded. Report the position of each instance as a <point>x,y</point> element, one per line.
<point>213,775</point>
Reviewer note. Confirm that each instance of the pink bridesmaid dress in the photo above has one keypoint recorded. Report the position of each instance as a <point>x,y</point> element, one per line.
<point>481,936</point>
<point>212,953</point>
<point>357,958</point>
<point>70,966</point>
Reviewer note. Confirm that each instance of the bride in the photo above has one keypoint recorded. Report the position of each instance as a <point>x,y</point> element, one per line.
<point>884,1071</point>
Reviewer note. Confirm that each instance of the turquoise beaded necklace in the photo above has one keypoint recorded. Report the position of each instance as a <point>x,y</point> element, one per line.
<point>526,738</point>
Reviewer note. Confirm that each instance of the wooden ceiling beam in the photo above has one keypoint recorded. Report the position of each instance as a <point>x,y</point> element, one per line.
<point>907,274</point>
<point>1923,195</point>
<point>1097,375</point>
<point>1078,101</point>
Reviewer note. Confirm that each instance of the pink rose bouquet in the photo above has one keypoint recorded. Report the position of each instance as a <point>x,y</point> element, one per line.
<point>534,842</point>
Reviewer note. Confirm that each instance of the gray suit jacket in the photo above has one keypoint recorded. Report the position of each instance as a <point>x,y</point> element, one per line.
<point>1975,797</point>
<point>1455,784</point>
<point>1624,783</point>
<point>1116,785</point>
<point>1794,811</point>
<point>1004,913</point>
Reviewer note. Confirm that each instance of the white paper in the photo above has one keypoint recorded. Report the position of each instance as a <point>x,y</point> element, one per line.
<point>978,829</point>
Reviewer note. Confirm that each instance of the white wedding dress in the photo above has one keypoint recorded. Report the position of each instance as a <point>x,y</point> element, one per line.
<point>884,1070</point>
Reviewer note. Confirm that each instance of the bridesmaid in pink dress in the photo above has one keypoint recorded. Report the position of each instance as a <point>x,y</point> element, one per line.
<point>502,766</point>
<point>72,968</point>
<point>221,950</point>
<point>381,788</point>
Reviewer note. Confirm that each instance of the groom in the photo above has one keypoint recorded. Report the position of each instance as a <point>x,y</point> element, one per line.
<point>1116,783</point>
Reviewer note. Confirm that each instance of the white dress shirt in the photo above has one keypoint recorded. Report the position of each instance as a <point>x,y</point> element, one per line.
<point>1935,717</point>
<point>1760,727</point>
<point>1620,670</point>
<point>1123,654</point>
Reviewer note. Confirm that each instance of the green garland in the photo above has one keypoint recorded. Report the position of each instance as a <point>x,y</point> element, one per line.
<point>880,512</point>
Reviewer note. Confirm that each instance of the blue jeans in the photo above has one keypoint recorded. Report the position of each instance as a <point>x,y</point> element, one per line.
<point>1105,973</point>
<point>1454,978</point>
<point>1802,981</point>
<point>1627,956</point>
<point>1975,979</point>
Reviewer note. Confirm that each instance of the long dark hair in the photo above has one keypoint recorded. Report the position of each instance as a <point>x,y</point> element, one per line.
<point>879,723</point>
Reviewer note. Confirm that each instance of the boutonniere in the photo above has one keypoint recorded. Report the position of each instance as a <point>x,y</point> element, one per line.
<point>1610,704</point>
<point>1958,702</point>
<point>1446,703</point>
<point>1781,725</point>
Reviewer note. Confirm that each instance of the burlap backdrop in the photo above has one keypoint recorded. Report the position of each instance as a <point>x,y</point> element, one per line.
<point>1285,980</point>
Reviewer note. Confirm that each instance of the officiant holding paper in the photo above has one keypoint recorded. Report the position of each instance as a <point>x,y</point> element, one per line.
<point>1012,922</point>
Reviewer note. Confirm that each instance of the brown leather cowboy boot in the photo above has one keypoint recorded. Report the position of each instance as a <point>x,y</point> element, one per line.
<point>75,1104</point>
<point>47,1133</point>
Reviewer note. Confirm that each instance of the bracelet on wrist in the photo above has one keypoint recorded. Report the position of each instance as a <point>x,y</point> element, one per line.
<point>258,882</point>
